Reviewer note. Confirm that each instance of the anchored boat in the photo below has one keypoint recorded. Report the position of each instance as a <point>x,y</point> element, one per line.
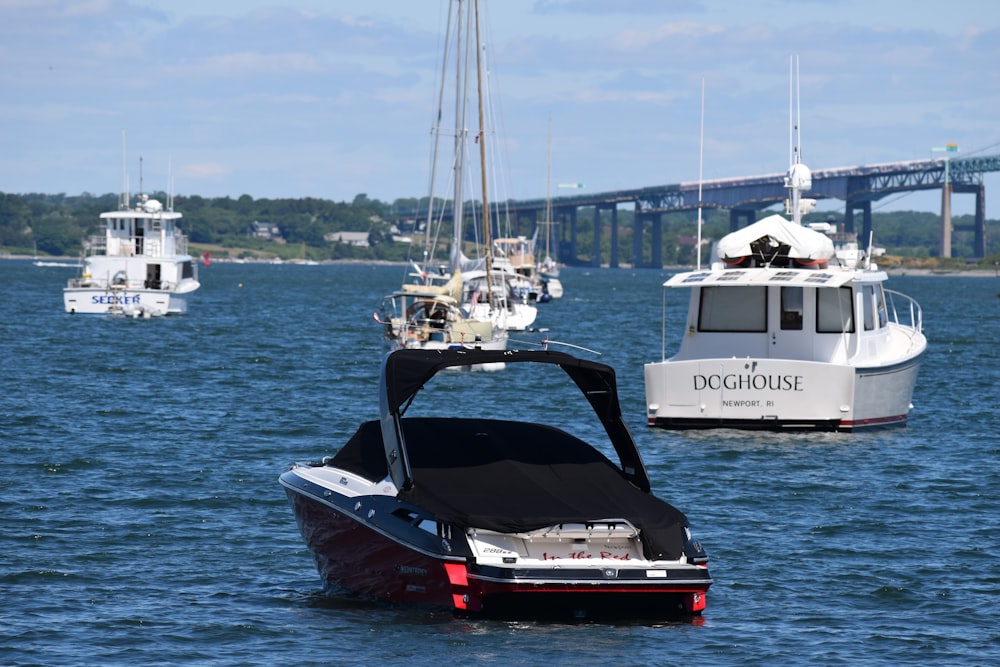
<point>139,266</point>
<point>790,328</point>
<point>497,517</point>
<point>786,333</point>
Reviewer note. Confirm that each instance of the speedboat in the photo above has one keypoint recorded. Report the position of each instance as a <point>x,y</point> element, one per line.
<point>139,266</point>
<point>496,517</point>
<point>791,328</point>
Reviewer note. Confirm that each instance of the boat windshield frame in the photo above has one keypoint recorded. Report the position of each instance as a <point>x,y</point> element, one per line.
<point>404,372</point>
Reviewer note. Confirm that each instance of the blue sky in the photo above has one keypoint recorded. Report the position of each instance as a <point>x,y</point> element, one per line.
<point>332,98</point>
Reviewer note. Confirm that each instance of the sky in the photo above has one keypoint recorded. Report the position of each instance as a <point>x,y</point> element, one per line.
<point>336,98</point>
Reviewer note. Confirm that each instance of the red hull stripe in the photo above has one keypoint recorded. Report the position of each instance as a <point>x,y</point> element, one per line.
<point>876,421</point>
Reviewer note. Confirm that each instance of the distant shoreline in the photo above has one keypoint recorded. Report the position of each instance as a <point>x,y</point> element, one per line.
<point>893,271</point>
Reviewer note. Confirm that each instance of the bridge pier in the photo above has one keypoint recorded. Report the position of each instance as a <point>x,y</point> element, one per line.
<point>737,214</point>
<point>980,231</point>
<point>638,229</point>
<point>656,259</point>
<point>946,229</point>
<point>572,236</point>
<point>978,227</point>
<point>613,261</point>
<point>865,206</point>
<point>595,254</point>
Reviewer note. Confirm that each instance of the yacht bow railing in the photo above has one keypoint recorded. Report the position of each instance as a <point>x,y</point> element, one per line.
<point>913,317</point>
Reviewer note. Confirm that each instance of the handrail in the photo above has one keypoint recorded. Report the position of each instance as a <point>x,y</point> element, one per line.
<point>109,285</point>
<point>127,245</point>
<point>916,320</point>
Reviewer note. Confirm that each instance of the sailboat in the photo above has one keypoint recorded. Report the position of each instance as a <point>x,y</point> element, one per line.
<point>547,269</point>
<point>460,308</point>
<point>537,280</point>
<point>492,289</point>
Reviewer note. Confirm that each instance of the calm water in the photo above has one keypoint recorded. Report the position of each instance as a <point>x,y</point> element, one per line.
<point>141,521</point>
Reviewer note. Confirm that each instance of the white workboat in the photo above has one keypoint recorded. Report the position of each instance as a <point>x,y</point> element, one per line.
<point>139,266</point>
<point>788,331</point>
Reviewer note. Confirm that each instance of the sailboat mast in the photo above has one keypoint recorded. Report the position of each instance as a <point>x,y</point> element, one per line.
<point>548,190</point>
<point>436,139</point>
<point>487,241</point>
<point>461,135</point>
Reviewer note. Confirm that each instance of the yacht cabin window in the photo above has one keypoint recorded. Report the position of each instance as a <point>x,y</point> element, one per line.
<point>834,310</point>
<point>883,316</point>
<point>733,309</point>
<point>868,306</point>
<point>791,308</point>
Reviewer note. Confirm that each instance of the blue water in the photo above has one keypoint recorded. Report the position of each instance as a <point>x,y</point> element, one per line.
<point>141,521</point>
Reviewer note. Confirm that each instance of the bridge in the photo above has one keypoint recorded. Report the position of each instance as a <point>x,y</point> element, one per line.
<point>744,197</point>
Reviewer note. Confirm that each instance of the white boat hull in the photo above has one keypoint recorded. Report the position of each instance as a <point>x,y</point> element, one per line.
<point>555,288</point>
<point>133,302</point>
<point>439,343</point>
<point>777,394</point>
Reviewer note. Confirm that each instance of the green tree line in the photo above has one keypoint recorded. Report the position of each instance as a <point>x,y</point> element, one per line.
<point>57,224</point>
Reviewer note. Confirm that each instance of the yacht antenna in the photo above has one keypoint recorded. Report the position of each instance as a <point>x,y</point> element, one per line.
<point>701,161</point>
<point>123,204</point>
<point>799,178</point>
<point>170,185</point>
<point>791,114</point>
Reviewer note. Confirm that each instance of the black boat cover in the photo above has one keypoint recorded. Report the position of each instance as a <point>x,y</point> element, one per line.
<point>512,476</point>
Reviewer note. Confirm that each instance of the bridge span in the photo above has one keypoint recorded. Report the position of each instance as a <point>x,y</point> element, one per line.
<point>744,197</point>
